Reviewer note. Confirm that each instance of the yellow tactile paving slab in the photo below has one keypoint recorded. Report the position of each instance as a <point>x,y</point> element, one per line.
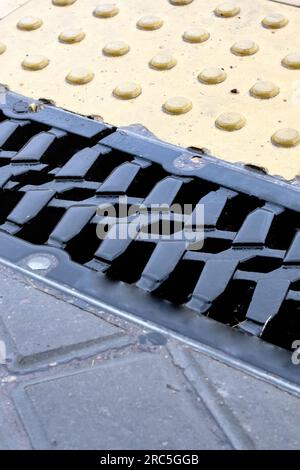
<point>224,76</point>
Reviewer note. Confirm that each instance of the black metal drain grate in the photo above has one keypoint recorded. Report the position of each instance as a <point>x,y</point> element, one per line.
<point>55,170</point>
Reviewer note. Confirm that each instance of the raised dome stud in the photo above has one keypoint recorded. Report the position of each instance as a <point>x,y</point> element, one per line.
<point>2,48</point>
<point>275,21</point>
<point>29,23</point>
<point>245,47</point>
<point>63,3</point>
<point>80,76</point>
<point>163,61</point>
<point>177,105</point>
<point>230,122</point>
<point>71,36</point>
<point>106,10</point>
<point>286,138</point>
<point>196,35</point>
<point>227,10</point>
<point>212,76</point>
<point>292,61</point>
<point>35,62</point>
<point>180,2</point>
<point>127,90</point>
<point>149,23</point>
<point>264,90</point>
<point>116,49</point>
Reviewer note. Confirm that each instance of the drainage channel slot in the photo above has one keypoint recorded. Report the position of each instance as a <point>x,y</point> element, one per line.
<point>231,307</point>
<point>20,132</point>
<point>284,329</point>
<point>40,228</point>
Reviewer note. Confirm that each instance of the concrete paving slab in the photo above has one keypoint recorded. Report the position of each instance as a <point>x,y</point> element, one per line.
<point>39,329</point>
<point>137,402</point>
<point>270,416</point>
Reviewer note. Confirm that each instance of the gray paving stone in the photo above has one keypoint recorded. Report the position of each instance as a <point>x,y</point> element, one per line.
<point>12,433</point>
<point>270,416</point>
<point>39,329</point>
<point>4,445</point>
<point>203,386</point>
<point>136,402</point>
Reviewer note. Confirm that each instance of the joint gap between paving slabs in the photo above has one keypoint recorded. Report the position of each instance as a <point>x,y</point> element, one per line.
<point>211,399</point>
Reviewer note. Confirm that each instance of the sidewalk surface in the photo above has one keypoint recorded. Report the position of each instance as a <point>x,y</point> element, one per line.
<point>80,378</point>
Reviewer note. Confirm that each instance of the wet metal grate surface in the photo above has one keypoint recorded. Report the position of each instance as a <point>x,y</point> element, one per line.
<point>247,274</point>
